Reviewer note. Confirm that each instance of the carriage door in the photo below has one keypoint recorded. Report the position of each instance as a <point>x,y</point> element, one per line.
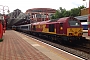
<point>57,28</point>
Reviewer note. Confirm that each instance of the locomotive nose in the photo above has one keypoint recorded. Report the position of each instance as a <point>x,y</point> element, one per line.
<point>75,32</point>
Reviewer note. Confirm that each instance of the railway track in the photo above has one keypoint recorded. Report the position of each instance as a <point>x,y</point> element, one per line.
<point>82,51</point>
<point>84,47</point>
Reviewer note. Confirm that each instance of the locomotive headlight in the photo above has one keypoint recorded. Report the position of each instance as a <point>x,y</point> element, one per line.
<point>71,34</point>
<point>80,34</point>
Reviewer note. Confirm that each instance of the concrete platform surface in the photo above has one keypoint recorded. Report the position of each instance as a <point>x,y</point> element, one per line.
<point>13,47</point>
<point>86,35</point>
<point>17,46</point>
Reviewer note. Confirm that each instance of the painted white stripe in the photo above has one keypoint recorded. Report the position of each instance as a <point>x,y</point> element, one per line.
<point>35,44</point>
<point>59,49</point>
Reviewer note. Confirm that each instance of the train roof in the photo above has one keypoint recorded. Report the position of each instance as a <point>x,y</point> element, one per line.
<point>43,22</point>
<point>53,21</point>
<point>25,25</point>
<point>62,19</point>
<point>65,19</point>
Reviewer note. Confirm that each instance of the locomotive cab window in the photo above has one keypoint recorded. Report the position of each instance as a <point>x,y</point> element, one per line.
<point>74,23</point>
<point>51,28</point>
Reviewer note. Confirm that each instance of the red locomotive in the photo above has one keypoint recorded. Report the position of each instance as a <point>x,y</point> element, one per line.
<point>64,29</point>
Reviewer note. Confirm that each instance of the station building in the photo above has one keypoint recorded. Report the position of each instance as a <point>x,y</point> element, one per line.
<point>83,15</point>
<point>40,14</point>
<point>84,18</point>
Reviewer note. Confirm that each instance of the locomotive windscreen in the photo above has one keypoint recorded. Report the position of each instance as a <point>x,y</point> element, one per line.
<point>74,23</point>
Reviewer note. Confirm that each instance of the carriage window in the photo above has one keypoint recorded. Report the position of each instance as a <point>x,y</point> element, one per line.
<point>24,27</point>
<point>74,23</point>
<point>51,28</point>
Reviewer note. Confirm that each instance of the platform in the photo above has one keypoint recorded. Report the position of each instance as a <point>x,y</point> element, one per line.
<point>17,46</point>
<point>85,34</point>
